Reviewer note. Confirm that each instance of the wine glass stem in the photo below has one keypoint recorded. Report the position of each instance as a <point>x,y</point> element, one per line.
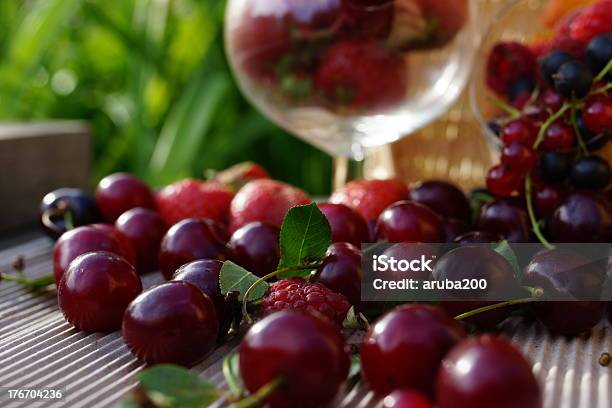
<point>345,170</point>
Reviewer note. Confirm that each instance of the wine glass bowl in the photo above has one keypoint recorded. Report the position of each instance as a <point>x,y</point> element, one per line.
<point>347,75</point>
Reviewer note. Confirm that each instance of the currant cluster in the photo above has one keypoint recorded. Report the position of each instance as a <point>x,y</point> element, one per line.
<point>557,104</point>
<point>344,54</point>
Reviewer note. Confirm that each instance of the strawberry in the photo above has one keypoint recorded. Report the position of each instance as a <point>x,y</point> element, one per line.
<point>371,197</point>
<point>192,198</point>
<point>592,21</point>
<point>239,174</point>
<point>361,75</point>
<point>264,200</point>
<point>426,24</point>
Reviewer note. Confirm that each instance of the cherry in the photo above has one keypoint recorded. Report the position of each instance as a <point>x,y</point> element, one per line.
<point>519,130</point>
<point>559,136</point>
<point>409,251</point>
<point>564,275</point>
<point>80,241</point>
<point>174,323</point>
<point>477,237</point>
<point>506,217</point>
<point>347,225</point>
<point>80,206</point>
<point>518,158</point>
<point>145,229</point>
<point>95,291</point>
<point>597,114</point>
<point>407,221</point>
<point>503,181</point>
<point>341,271</point>
<point>591,172</point>
<point>127,247</point>
<point>488,320</point>
<point>442,197</point>
<point>190,240</point>
<point>454,228</point>
<point>546,199</point>
<point>582,217</point>
<point>404,348</point>
<point>306,352</point>
<point>204,274</point>
<point>120,192</point>
<point>406,399</point>
<point>255,247</point>
<point>477,262</point>
<point>487,371</point>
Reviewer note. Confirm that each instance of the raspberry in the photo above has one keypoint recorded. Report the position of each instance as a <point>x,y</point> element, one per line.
<point>361,75</point>
<point>297,294</point>
<point>264,200</point>
<point>240,174</point>
<point>192,198</point>
<point>371,197</point>
<point>508,63</point>
<point>592,22</point>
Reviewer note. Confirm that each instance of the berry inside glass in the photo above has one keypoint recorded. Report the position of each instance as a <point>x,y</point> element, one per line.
<point>347,75</point>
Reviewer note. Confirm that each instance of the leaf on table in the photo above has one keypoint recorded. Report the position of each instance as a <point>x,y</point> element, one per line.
<point>173,386</point>
<point>304,238</point>
<point>234,278</point>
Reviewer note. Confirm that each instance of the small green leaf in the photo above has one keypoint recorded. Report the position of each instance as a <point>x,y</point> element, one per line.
<point>304,238</point>
<point>172,386</point>
<point>234,278</point>
<point>505,250</point>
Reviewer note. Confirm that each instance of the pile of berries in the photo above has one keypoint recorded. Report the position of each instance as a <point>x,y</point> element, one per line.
<point>342,54</point>
<point>557,101</point>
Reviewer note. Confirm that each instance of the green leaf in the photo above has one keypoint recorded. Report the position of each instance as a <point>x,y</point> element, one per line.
<point>505,250</point>
<point>172,386</point>
<point>234,278</point>
<point>304,238</point>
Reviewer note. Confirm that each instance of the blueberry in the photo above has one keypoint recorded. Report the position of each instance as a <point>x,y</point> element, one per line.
<point>551,63</point>
<point>591,172</point>
<point>520,87</point>
<point>574,79</point>
<point>599,52</point>
<point>554,167</point>
<point>593,141</point>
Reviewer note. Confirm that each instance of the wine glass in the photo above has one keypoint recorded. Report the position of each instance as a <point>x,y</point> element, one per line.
<point>350,75</point>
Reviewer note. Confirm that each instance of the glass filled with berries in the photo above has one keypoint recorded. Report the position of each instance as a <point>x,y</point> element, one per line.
<point>347,75</point>
<point>543,92</point>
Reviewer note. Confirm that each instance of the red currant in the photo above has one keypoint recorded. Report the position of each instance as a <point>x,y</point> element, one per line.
<point>597,114</point>
<point>502,181</point>
<point>407,221</point>
<point>520,130</point>
<point>551,100</point>
<point>521,159</point>
<point>559,136</point>
<point>546,199</point>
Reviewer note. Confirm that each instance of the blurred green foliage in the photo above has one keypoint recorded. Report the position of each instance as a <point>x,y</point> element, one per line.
<point>152,79</point>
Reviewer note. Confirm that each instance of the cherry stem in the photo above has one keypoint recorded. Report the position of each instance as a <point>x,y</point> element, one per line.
<point>62,210</point>
<point>231,377</point>
<point>578,134</point>
<point>535,225</point>
<point>36,283</point>
<point>536,295</point>
<point>512,111</point>
<point>603,89</point>
<point>604,72</point>
<point>245,299</point>
<point>259,397</point>
<point>549,122</point>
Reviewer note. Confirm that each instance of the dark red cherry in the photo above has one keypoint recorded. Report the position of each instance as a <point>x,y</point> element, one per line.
<point>80,241</point>
<point>347,225</point>
<point>582,217</point>
<point>95,291</point>
<point>79,205</point>
<point>454,228</point>
<point>255,247</point>
<point>410,251</point>
<point>506,217</point>
<point>127,247</point>
<point>485,372</point>
<point>477,237</point>
<point>204,274</point>
<point>173,323</point>
<point>306,351</point>
<point>120,192</point>
<point>404,348</point>
<point>190,240</point>
<point>145,229</point>
<point>407,221</point>
<point>406,399</point>
<point>564,275</point>
<point>341,271</point>
<point>442,197</point>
